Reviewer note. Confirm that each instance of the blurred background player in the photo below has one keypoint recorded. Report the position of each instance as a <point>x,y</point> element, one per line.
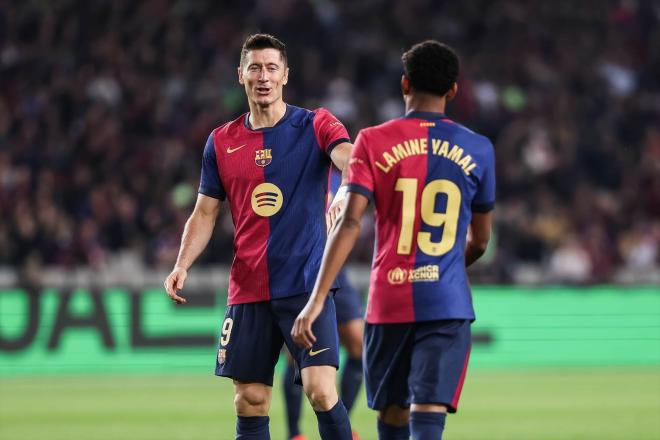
<point>271,164</point>
<point>348,306</point>
<point>431,180</point>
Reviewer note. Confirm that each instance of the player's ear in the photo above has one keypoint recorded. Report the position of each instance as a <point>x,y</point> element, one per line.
<point>286,76</point>
<point>405,85</point>
<point>452,92</point>
<point>240,75</point>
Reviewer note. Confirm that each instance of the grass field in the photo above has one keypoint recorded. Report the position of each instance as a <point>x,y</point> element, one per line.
<point>534,404</point>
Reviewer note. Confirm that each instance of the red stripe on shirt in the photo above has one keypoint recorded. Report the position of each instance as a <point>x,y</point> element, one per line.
<point>391,301</point>
<point>248,279</point>
<point>459,387</point>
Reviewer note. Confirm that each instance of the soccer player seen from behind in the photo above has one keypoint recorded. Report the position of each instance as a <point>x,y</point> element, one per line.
<point>432,181</point>
<point>271,165</point>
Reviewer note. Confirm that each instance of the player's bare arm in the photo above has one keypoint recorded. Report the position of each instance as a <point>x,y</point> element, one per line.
<point>340,156</point>
<point>340,243</point>
<point>196,236</point>
<point>480,228</point>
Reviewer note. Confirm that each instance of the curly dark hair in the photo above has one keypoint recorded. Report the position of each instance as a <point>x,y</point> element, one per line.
<point>263,41</point>
<point>431,67</point>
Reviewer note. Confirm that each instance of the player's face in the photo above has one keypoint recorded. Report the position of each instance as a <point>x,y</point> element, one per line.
<point>263,74</point>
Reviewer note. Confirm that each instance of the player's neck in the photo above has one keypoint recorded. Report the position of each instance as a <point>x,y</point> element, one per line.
<point>425,103</point>
<point>266,116</point>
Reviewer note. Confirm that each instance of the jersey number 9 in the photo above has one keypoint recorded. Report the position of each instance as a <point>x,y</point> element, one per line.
<point>225,333</point>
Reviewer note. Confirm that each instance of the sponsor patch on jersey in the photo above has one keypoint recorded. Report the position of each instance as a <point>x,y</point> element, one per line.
<point>263,157</point>
<point>222,355</point>
<point>398,275</point>
<point>267,199</point>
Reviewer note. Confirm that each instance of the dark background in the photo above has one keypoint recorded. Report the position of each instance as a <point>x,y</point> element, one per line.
<point>105,107</point>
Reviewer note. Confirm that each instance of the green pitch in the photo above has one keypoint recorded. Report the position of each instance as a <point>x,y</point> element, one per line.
<point>527,405</point>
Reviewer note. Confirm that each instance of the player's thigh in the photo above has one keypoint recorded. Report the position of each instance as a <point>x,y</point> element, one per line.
<point>325,351</point>
<point>250,343</point>
<point>439,362</point>
<point>387,357</point>
<point>350,337</point>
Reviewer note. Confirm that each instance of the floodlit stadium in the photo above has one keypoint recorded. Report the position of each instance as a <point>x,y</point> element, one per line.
<point>105,113</point>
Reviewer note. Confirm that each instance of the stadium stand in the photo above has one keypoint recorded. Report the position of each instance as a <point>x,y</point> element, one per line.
<point>105,107</point>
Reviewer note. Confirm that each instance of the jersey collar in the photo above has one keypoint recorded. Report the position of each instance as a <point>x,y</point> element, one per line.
<point>246,120</point>
<point>413,114</point>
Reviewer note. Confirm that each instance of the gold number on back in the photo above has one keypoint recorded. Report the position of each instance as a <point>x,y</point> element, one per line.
<point>448,219</point>
<point>226,331</point>
<point>409,189</point>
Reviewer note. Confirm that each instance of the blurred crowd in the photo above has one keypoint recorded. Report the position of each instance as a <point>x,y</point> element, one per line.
<point>105,106</point>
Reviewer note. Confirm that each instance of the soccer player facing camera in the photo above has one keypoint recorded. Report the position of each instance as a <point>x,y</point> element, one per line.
<point>271,165</point>
<point>431,180</point>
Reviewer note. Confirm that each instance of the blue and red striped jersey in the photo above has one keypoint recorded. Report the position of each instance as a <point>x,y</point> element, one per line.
<point>426,175</point>
<point>275,180</point>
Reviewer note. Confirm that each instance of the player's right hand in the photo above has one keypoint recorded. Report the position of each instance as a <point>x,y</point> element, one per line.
<point>174,283</point>
<point>331,216</point>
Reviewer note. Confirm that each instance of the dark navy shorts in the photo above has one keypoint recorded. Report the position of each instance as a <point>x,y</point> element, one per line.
<point>347,300</point>
<point>421,362</point>
<point>252,335</point>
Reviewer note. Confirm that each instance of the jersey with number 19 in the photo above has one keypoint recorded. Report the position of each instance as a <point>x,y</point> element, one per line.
<point>426,175</point>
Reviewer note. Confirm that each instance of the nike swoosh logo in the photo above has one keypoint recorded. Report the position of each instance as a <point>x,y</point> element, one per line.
<point>314,353</point>
<point>231,150</point>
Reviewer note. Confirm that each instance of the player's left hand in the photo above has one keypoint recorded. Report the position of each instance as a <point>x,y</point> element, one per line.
<point>302,328</point>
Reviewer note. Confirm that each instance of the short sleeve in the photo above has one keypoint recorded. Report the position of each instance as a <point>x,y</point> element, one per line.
<point>360,174</point>
<point>328,130</point>
<point>484,199</point>
<point>209,182</point>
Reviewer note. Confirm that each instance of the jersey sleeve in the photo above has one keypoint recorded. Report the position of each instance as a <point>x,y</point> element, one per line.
<point>328,130</point>
<point>484,199</point>
<point>209,182</point>
<point>360,174</point>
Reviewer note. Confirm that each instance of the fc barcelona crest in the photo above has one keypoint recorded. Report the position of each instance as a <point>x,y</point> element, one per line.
<point>263,157</point>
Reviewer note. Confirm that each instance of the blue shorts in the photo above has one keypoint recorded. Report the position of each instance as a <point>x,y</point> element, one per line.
<point>421,362</point>
<point>252,335</point>
<point>347,300</point>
